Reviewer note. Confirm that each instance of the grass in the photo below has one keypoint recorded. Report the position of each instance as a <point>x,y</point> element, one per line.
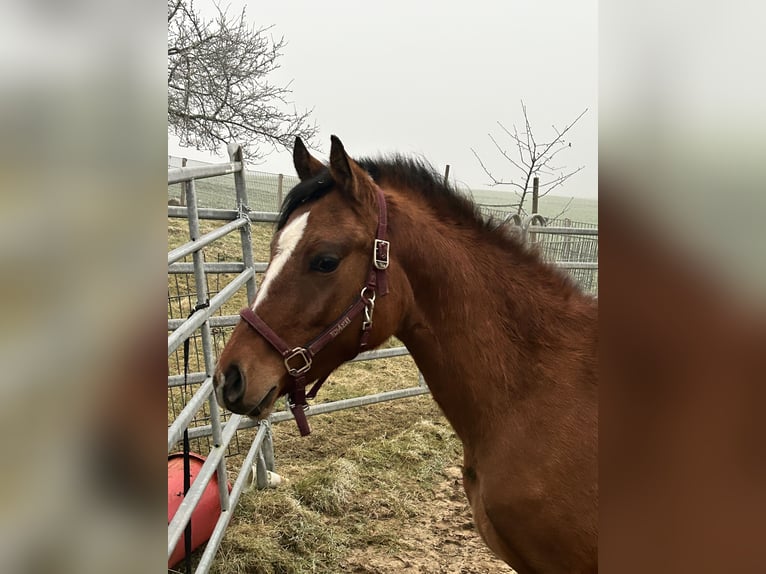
<point>274,533</point>
<point>357,498</point>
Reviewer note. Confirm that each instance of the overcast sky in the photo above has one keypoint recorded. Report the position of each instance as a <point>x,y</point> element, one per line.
<point>434,78</point>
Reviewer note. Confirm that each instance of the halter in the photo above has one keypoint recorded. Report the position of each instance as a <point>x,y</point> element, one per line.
<point>298,359</point>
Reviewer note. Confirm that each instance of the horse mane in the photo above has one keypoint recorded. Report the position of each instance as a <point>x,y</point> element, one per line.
<point>420,176</point>
<point>450,203</point>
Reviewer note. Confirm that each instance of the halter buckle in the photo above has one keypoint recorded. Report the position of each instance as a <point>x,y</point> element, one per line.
<point>304,355</point>
<point>380,254</point>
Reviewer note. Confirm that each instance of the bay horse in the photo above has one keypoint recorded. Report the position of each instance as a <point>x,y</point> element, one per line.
<point>506,343</point>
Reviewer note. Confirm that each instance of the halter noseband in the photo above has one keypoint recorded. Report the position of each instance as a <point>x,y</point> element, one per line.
<point>298,359</point>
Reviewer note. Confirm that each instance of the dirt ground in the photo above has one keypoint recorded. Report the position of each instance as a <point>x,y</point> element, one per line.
<point>444,541</point>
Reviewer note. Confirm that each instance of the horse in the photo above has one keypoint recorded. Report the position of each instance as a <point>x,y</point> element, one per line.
<point>506,343</point>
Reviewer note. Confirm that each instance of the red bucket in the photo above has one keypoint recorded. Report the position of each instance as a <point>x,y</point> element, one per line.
<point>208,510</point>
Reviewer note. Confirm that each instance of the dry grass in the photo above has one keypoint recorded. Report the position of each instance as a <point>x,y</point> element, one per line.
<point>361,496</point>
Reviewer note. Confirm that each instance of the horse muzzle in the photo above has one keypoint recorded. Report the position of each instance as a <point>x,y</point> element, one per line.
<point>231,394</point>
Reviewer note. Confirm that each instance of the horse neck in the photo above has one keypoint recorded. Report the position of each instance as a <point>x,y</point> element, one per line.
<point>480,316</point>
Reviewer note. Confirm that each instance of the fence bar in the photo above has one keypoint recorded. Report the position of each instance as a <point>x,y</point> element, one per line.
<point>192,379</point>
<point>195,321</point>
<point>193,496</point>
<point>223,214</point>
<point>577,264</point>
<point>323,408</point>
<point>176,430</point>
<point>352,403</point>
<point>198,377</point>
<point>180,212</point>
<point>381,354</point>
<point>217,321</point>
<point>217,267</point>
<point>179,174</point>
<point>196,245</point>
<point>561,230</point>
<point>236,490</point>
<point>263,216</point>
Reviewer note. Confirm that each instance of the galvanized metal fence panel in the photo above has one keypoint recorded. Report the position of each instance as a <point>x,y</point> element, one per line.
<point>203,398</point>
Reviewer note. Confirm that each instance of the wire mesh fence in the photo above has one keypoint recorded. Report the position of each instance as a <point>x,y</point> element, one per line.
<point>577,253</point>
<point>265,190</point>
<point>571,249</point>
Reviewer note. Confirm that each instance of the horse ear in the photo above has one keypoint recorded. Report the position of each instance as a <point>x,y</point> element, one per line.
<point>344,170</point>
<point>306,166</point>
<point>340,168</point>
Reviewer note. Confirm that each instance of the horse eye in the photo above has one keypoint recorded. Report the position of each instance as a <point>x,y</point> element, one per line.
<point>325,263</point>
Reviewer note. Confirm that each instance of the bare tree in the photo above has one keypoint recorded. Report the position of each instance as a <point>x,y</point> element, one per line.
<point>218,87</point>
<point>531,159</point>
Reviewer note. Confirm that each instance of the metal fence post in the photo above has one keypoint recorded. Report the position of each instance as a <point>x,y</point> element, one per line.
<point>235,155</point>
<point>264,462</point>
<point>268,447</point>
<point>200,281</point>
<point>184,185</point>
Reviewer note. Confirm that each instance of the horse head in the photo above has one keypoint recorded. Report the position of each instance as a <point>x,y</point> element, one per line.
<point>320,301</point>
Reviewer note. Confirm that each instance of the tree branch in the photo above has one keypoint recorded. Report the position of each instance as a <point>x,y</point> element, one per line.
<point>535,159</point>
<point>218,88</point>
<point>563,211</point>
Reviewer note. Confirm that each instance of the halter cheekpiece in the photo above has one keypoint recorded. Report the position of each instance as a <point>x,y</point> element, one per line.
<point>298,359</point>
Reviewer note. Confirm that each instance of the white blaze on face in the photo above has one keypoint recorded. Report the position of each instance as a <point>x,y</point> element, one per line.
<point>286,244</point>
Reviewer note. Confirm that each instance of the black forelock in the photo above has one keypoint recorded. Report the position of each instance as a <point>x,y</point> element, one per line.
<point>305,191</point>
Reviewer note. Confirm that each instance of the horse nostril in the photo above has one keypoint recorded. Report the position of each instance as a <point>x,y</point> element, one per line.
<point>233,386</point>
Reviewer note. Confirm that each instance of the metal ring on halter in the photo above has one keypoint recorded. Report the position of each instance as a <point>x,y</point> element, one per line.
<point>369,307</point>
<point>370,301</point>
